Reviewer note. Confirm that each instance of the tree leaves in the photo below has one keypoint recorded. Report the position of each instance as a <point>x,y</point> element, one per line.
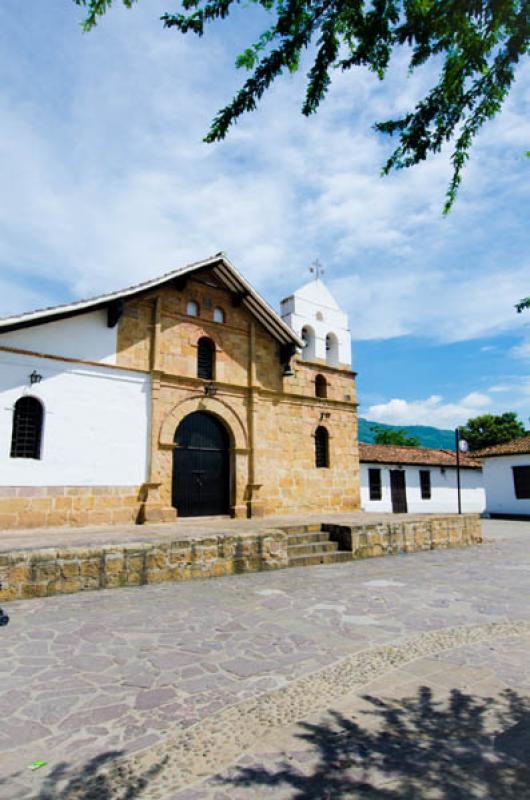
<point>490,429</point>
<point>475,44</point>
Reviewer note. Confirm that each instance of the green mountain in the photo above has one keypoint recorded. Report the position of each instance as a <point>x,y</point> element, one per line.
<point>428,437</point>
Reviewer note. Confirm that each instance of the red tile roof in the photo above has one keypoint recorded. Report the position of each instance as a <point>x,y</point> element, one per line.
<point>515,447</point>
<point>390,454</point>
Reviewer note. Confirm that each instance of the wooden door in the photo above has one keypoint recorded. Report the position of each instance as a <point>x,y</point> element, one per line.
<point>201,474</point>
<point>398,491</point>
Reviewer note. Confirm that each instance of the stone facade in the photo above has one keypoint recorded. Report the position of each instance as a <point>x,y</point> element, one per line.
<point>55,506</point>
<point>271,419</point>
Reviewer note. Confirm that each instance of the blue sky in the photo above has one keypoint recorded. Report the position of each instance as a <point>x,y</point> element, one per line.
<point>105,181</point>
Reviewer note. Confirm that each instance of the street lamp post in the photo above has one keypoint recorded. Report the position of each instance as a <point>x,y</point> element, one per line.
<point>458,492</point>
<point>461,447</point>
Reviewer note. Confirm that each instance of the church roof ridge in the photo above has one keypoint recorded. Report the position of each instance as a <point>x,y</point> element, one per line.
<point>316,292</point>
<point>223,268</point>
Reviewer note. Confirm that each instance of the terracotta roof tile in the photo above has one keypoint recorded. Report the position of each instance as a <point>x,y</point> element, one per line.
<point>514,447</point>
<point>390,454</point>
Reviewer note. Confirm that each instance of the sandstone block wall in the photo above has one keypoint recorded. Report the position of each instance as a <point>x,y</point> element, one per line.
<point>42,573</point>
<point>55,506</point>
<point>407,536</point>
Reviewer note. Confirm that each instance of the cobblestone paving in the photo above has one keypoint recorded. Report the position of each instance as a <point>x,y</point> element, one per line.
<point>445,726</point>
<point>154,682</point>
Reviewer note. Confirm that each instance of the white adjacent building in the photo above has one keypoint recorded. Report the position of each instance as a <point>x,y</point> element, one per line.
<point>506,469</point>
<point>418,480</point>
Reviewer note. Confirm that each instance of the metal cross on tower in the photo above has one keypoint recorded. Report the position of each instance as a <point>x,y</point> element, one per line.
<point>317,268</point>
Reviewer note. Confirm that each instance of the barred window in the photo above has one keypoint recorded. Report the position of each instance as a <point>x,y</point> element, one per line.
<point>321,386</point>
<point>205,358</point>
<point>374,484</point>
<point>425,484</point>
<point>27,428</point>
<point>321,447</point>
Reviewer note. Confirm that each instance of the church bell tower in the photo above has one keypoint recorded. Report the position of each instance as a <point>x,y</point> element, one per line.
<point>316,317</point>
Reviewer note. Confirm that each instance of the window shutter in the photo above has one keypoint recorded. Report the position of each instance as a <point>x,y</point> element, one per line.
<point>425,484</point>
<point>205,358</point>
<point>374,482</point>
<point>521,482</point>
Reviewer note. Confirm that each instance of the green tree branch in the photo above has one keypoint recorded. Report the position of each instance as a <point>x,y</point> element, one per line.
<point>478,43</point>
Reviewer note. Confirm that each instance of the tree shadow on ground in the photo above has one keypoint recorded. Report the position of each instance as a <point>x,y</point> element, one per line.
<point>109,776</point>
<point>409,749</point>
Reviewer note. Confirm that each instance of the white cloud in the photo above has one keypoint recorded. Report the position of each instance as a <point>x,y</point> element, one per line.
<point>431,411</point>
<point>521,350</point>
<point>109,182</point>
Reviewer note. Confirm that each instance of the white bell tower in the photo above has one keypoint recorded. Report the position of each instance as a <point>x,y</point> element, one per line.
<point>315,316</point>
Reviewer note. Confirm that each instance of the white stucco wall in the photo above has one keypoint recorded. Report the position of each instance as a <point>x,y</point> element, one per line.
<point>86,337</point>
<point>443,490</point>
<point>301,309</point>
<point>95,423</point>
<point>499,486</point>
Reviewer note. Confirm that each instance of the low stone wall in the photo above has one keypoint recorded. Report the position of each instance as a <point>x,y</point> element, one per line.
<point>406,536</point>
<point>41,573</point>
<point>74,506</point>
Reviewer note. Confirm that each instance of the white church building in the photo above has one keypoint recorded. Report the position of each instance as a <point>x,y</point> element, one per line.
<point>185,395</point>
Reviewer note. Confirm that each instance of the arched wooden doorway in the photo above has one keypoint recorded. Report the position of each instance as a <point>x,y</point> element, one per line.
<point>201,466</point>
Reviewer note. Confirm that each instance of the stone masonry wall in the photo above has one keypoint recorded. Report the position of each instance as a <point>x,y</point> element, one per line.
<point>273,459</point>
<point>42,573</point>
<point>407,536</point>
<point>54,506</point>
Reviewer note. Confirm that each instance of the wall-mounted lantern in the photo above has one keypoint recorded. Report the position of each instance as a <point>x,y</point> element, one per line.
<point>325,415</point>
<point>35,377</point>
<point>210,389</point>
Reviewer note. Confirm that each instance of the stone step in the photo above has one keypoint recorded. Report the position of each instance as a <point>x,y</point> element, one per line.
<point>310,528</point>
<point>306,549</point>
<point>320,558</point>
<point>307,538</point>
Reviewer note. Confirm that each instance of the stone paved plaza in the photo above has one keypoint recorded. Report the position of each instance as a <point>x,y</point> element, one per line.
<point>390,678</point>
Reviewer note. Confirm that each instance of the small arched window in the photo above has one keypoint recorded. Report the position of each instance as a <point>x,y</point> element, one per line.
<point>218,315</point>
<point>205,358</point>
<point>308,337</point>
<point>27,428</point>
<point>321,386</point>
<point>192,309</point>
<point>332,350</point>
<point>321,447</point>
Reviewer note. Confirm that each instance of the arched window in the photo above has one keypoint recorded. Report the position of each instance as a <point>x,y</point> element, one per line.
<point>192,309</point>
<point>321,447</point>
<point>27,428</point>
<point>205,358</point>
<point>218,315</point>
<point>332,350</point>
<point>321,386</point>
<point>308,337</point>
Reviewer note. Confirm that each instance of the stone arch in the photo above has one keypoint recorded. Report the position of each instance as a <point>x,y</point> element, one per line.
<point>220,409</point>
<point>199,333</point>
